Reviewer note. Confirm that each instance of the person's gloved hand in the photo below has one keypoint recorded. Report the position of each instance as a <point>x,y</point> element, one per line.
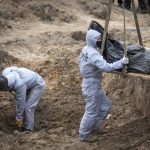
<point>125,60</point>
<point>19,124</point>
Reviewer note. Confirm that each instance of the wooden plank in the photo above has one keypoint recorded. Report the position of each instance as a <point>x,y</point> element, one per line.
<point>136,75</point>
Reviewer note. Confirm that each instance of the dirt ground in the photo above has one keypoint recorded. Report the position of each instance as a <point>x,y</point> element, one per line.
<point>47,36</point>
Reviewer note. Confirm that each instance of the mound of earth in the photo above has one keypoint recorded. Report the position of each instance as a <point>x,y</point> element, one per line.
<point>96,8</point>
<point>46,10</point>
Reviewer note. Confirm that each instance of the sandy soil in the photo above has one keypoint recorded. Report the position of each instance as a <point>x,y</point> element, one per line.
<point>47,36</point>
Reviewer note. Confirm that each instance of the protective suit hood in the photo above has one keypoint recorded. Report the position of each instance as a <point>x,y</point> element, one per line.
<point>91,37</point>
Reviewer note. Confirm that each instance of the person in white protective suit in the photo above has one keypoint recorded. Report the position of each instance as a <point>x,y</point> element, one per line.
<point>28,87</point>
<point>92,64</point>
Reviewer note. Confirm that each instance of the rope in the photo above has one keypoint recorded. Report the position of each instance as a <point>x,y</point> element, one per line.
<point>147,6</point>
<point>124,70</point>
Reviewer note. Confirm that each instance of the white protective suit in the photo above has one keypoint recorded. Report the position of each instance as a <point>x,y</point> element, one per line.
<point>92,65</point>
<point>28,87</point>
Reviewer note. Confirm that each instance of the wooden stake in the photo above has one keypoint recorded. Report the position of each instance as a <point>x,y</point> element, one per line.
<point>106,25</point>
<point>136,23</point>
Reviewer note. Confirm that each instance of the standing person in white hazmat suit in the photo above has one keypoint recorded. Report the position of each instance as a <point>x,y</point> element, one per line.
<point>92,64</point>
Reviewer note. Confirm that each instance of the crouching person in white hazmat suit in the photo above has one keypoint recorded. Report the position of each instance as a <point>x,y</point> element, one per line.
<point>28,87</point>
<point>92,64</point>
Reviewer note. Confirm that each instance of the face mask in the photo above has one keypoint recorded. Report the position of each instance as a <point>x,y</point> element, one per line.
<point>98,44</point>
